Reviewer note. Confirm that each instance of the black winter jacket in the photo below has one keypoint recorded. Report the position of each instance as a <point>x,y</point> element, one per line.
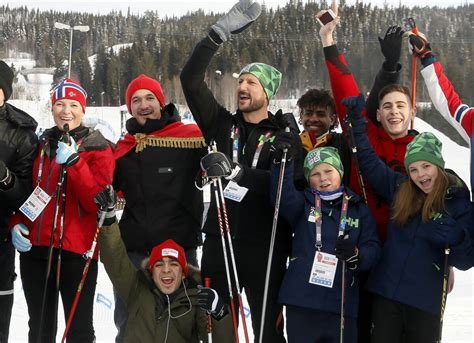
<point>251,219</point>
<point>18,146</point>
<point>162,201</point>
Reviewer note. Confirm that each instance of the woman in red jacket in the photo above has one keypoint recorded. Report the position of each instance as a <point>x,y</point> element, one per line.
<point>86,159</point>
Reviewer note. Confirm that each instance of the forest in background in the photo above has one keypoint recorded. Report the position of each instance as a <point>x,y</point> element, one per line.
<point>286,37</point>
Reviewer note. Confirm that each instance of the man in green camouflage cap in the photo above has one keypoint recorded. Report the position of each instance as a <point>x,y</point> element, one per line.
<point>269,77</point>
<point>245,140</point>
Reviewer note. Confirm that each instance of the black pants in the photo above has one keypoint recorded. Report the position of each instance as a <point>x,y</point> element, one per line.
<point>310,326</point>
<point>251,260</point>
<point>394,322</point>
<point>33,273</point>
<point>7,277</point>
<point>364,319</point>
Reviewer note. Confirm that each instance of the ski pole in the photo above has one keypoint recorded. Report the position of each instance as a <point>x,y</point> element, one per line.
<point>232,257</point>
<point>342,232</point>
<point>353,147</point>
<point>414,29</point>
<point>207,284</point>
<point>231,251</point>
<point>226,262</point>
<point>49,262</point>
<point>272,239</point>
<point>88,255</point>
<point>444,292</point>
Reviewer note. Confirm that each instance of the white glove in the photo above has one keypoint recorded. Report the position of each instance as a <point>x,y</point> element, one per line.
<point>20,242</point>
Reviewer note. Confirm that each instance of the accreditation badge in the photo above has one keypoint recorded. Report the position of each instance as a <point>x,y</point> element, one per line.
<point>35,204</point>
<point>323,270</point>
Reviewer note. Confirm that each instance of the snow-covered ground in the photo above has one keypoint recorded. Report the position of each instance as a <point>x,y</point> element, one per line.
<point>459,316</point>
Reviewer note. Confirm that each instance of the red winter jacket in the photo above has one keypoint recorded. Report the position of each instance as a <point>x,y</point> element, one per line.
<point>391,151</point>
<point>93,171</point>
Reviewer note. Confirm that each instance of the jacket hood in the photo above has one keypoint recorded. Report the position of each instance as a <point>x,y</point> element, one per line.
<point>19,117</point>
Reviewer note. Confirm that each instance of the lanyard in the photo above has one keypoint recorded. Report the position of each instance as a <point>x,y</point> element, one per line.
<point>41,162</point>
<point>235,135</point>
<point>261,141</point>
<point>319,218</point>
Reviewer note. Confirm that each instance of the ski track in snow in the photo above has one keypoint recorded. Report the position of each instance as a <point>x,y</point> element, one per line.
<point>459,316</point>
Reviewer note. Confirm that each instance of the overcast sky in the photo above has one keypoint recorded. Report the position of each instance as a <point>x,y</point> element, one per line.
<point>180,7</point>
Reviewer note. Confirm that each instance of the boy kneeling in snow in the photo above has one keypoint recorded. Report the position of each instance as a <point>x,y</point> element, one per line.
<point>164,300</point>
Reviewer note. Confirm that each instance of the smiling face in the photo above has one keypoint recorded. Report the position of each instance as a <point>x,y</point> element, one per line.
<point>317,119</point>
<point>423,174</point>
<point>325,178</point>
<point>395,114</point>
<point>250,94</point>
<point>144,105</point>
<point>167,274</point>
<point>66,111</point>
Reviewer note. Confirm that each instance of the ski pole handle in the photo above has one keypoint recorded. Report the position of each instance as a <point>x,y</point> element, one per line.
<point>207,284</point>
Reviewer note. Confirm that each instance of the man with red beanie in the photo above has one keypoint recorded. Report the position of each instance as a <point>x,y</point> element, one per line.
<point>163,297</point>
<point>156,165</point>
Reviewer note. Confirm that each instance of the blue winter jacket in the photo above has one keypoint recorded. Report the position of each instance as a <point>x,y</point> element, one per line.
<point>411,268</point>
<point>295,207</point>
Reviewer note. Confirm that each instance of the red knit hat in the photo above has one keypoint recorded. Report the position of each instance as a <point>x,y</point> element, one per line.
<point>168,248</point>
<point>144,82</point>
<point>70,89</point>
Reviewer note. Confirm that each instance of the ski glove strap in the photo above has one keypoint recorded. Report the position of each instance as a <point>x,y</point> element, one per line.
<point>106,200</point>
<point>241,15</point>
<point>209,300</point>
<point>6,177</point>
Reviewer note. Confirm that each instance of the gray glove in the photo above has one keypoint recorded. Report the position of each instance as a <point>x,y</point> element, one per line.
<point>241,15</point>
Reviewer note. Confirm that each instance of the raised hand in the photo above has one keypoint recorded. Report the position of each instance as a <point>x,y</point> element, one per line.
<point>391,46</point>
<point>240,16</point>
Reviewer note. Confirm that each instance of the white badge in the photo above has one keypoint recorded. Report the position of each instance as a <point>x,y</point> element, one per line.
<point>323,270</point>
<point>35,204</point>
<point>312,215</point>
<point>235,192</point>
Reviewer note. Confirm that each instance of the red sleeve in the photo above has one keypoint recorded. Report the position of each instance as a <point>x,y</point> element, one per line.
<point>342,80</point>
<point>90,175</point>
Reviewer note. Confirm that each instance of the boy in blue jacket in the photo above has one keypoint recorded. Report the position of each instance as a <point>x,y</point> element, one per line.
<point>331,225</point>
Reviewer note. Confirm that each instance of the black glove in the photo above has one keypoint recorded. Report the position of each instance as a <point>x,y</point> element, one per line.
<point>284,141</point>
<point>240,16</point>
<point>446,231</point>
<point>106,200</point>
<point>355,106</point>
<point>346,250</point>
<point>209,300</point>
<point>6,177</point>
<point>391,46</point>
<point>216,164</point>
<point>421,48</point>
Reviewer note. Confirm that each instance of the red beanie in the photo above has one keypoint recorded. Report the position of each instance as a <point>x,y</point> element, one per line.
<point>144,82</point>
<point>70,89</point>
<point>168,248</point>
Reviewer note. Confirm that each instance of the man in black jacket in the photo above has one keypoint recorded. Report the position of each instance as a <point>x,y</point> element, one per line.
<point>156,165</point>
<point>18,144</point>
<point>246,138</point>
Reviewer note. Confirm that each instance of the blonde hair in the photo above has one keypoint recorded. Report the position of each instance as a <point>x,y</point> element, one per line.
<point>411,200</point>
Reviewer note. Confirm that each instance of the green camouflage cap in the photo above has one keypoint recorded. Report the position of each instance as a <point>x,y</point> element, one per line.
<point>328,155</point>
<point>269,77</point>
<point>425,147</point>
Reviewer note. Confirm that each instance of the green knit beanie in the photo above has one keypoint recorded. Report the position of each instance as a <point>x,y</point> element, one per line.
<point>425,147</point>
<point>269,77</point>
<point>328,155</point>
